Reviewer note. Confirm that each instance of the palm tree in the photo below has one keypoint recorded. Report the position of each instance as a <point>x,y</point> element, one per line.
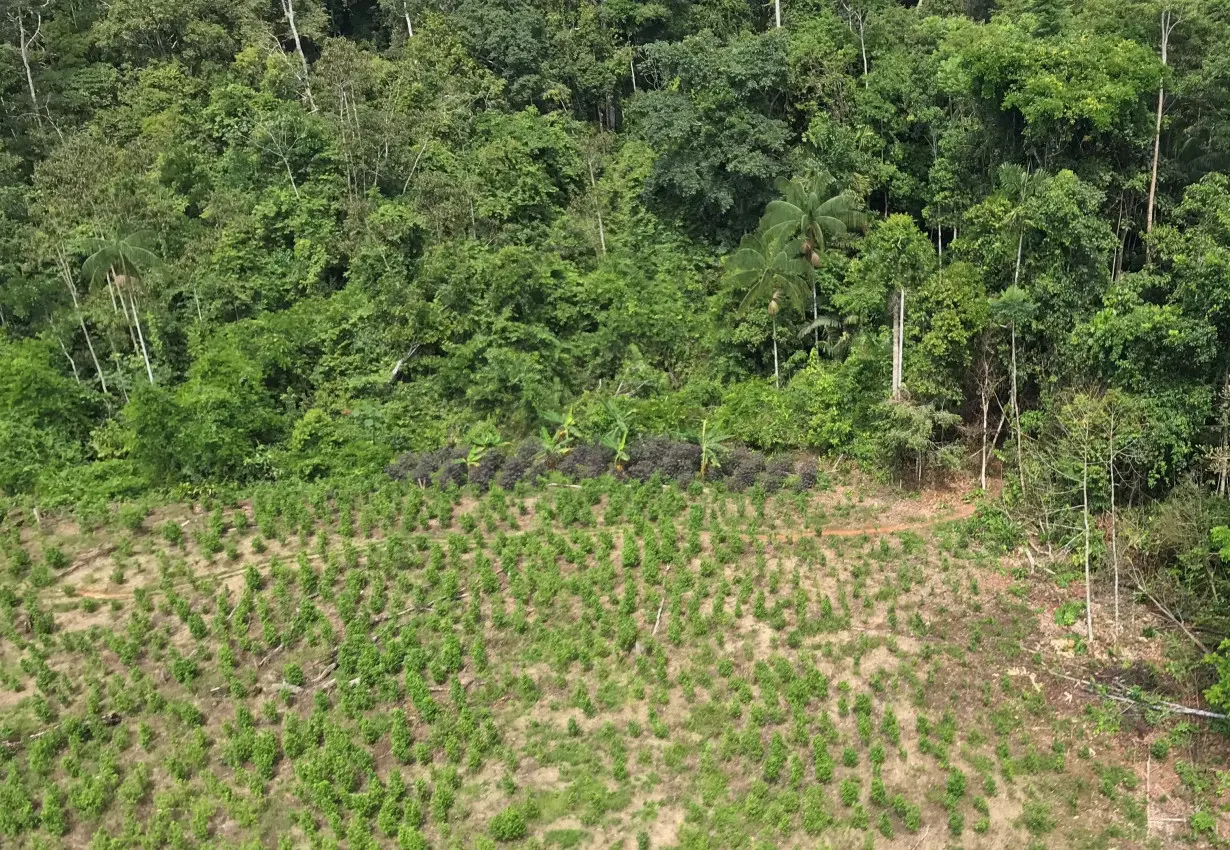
<point>1010,309</point>
<point>816,211</point>
<point>770,269</point>
<point>121,259</point>
<point>1019,186</point>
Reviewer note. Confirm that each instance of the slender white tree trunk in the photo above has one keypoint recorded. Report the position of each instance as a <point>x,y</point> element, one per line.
<point>593,183</point>
<point>777,378</point>
<point>409,26</point>
<point>1114,542</point>
<point>815,313</point>
<point>1168,23</point>
<point>24,45</point>
<point>1016,415</point>
<point>777,9</point>
<point>149,372</point>
<point>1085,512</point>
<point>1157,149</point>
<point>72,290</point>
<point>986,409</point>
<point>69,357</point>
<point>862,44</point>
<point>288,9</point>
<point>1020,248</point>
<point>899,345</point>
<point>119,292</point>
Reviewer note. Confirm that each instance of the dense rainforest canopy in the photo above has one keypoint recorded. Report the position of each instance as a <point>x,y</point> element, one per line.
<point>244,240</point>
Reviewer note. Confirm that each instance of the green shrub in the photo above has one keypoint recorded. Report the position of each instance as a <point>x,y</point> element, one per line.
<point>293,674</point>
<point>1069,612</point>
<point>1036,817</point>
<point>172,532</point>
<point>508,825</point>
<point>55,558</point>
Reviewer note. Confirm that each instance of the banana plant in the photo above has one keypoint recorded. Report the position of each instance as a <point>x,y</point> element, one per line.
<point>616,439</point>
<point>473,458</point>
<point>555,444</point>
<point>712,442</point>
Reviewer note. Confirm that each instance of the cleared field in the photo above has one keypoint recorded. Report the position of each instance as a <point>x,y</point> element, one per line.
<point>604,665</point>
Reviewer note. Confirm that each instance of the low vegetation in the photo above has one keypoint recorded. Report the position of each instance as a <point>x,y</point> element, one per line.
<point>606,663</point>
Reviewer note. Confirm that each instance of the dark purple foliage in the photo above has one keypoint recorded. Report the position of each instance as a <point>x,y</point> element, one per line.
<point>776,473</point>
<point>482,475</point>
<point>586,462</point>
<point>742,468</point>
<point>807,475</point>
<point>670,458</point>
<point>521,465</point>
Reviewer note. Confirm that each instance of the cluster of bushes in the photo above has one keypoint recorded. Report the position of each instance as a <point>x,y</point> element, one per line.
<point>660,458</point>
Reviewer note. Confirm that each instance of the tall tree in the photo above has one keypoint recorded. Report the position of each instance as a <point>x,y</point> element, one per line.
<point>770,270</point>
<point>1011,309</point>
<point>816,211</point>
<point>121,259</point>
<point>895,258</point>
<point>1169,17</point>
<point>1019,186</point>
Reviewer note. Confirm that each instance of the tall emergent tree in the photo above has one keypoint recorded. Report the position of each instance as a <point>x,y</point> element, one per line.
<point>121,259</point>
<point>770,270</point>
<point>816,211</point>
<point>1011,309</point>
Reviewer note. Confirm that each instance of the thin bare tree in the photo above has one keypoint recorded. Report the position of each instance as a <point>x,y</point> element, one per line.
<point>288,10</point>
<point>1169,20</point>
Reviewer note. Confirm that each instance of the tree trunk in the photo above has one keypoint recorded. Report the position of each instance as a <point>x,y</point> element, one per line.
<point>896,349</point>
<point>1168,23</point>
<point>124,309</point>
<point>1157,148</point>
<point>24,45</point>
<point>597,208</point>
<point>777,9</point>
<point>1016,415</point>
<point>409,26</point>
<point>196,299</point>
<point>985,402</point>
<point>862,43</point>
<point>899,345</point>
<point>72,290</point>
<point>71,361</point>
<point>815,315</point>
<point>149,372</point>
<point>777,378</point>
<point>1020,249</point>
<point>1114,542</point>
<point>288,9</point>
<point>1085,512</point>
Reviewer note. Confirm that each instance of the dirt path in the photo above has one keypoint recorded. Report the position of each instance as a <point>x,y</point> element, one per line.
<point>962,512</point>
